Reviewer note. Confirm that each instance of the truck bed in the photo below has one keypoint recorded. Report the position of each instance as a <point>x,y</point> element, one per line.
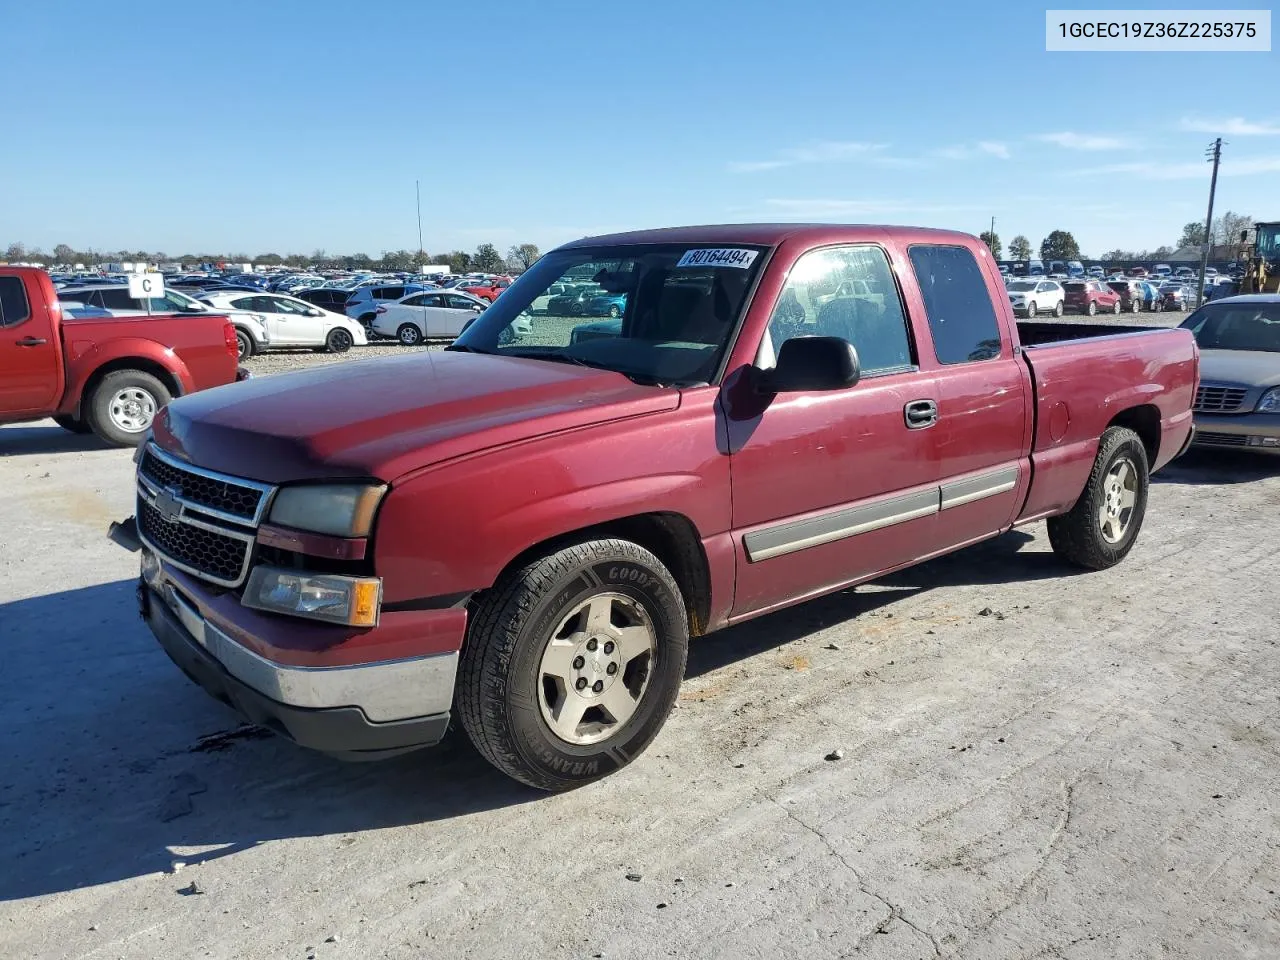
<point>1035,333</point>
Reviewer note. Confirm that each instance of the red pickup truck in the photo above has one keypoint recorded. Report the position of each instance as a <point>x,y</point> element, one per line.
<point>488,290</point>
<point>103,375</point>
<point>524,530</point>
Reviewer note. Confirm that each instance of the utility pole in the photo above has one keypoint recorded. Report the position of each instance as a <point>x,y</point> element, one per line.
<point>1214,154</point>
<point>417,189</point>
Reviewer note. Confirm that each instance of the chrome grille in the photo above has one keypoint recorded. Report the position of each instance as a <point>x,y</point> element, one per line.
<point>221,496</point>
<point>1214,399</point>
<point>1221,439</point>
<point>197,520</point>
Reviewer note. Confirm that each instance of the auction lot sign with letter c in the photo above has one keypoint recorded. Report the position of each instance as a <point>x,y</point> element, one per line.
<point>144,286</point>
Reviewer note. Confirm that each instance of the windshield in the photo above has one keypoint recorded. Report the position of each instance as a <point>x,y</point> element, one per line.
<point>1021,285</point>
<point>1236,326</point>
<point>658,313</point>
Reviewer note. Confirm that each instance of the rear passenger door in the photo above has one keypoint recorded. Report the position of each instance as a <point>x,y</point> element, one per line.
<point>834,486</point>
<point>983,430</point>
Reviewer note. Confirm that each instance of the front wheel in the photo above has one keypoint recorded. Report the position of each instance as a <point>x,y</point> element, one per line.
<point>409,335</point>
<point>1059,309</point>
<point>1031,309</point>
<point>244,345</point>
<point>1101,528</point>
<point>124,405</point>
<point>1092,309</point>
<point>339,340</point>
<point>572,663</point>
<point>614,312</point>
<point>1135,306</point>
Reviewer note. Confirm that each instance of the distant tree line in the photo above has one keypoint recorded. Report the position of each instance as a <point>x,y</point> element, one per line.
<point>486,258</point>
<point>1061,245</point>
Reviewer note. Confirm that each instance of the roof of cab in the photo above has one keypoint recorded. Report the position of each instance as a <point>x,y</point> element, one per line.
<point>771,234</point>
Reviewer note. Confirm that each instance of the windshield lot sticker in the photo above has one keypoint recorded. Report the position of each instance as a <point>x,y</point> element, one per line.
<point>718,257</point>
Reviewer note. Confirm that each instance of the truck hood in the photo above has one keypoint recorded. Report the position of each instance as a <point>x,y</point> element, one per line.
<point>385,418</point>
<point>1252,368</point>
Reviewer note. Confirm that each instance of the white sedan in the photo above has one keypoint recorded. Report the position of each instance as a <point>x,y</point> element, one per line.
<point>434,315</point>
<point>291,322</point>
<point>1032,296</point>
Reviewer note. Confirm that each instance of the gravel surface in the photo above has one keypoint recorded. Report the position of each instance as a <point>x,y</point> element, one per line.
<point>989,756</point>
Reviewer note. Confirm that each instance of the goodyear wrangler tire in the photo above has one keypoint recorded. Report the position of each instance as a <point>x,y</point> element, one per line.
<point>572,663</point>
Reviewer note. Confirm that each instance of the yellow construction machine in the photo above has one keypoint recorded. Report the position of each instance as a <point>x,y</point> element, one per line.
<point>1261,259</point>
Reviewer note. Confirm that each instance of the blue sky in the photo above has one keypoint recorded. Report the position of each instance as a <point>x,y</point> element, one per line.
<point>289,126</point>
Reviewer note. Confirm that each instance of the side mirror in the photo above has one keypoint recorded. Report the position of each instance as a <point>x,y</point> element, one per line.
<point>811,363</point>
<point>313,312</point>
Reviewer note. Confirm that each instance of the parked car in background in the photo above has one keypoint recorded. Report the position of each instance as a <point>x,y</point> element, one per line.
<point>1035,296</point>
<point>488,290</point>
<point>1185,273</point>
<point>333,299</point>
<point>292,322</point>
<point>1097,272</point>
<point>431,315</point>
<point>363,302</point>
<point>1090,297</point>
<point>113,300</point>
<point>1163,270</point>
<point>573,301</point>
<point>522,538</point>
<point>1130,294</point>
<point>1138,272</point>
<point>1238,401</point>
<point>1150,296</point>
<point>1177,295</point>
<point>106,376</point>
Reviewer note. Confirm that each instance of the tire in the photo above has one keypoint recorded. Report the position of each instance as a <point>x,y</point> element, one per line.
<point>1059,309</point>
<point>409,335</point>
<point>339,340</point>
<point>510,690</point>
<point>1092,309</point>
<point>1115,308</point>
<point>366,320</point>
<point>1136,306</point>
<point>244,345</point>
<point>73,425</point>
<point>614,312</point>
<point>1101,528</point>
<point>506,336</point>
<point>1031,309</point>
<point>124,405</point>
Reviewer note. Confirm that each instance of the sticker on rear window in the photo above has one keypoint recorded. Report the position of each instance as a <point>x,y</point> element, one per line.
<point>718,257</point>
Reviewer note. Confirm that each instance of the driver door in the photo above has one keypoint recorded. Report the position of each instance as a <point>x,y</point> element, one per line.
<point>305,328</point>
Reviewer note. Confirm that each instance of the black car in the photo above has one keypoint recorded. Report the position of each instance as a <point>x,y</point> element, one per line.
<point>327,298</point>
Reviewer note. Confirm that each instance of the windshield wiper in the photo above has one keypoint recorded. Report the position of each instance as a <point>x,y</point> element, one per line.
<point>463,348</point>
<point>559,356</point>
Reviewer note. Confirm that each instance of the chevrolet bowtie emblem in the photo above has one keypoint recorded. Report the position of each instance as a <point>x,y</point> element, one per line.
<point>167,504</point>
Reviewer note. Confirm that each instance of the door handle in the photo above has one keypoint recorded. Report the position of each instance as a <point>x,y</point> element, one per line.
<point>31,342</point>
<point>920,414</point>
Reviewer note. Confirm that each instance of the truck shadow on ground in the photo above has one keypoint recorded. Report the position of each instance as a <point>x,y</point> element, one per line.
<point>1200,467</point>
<point>115,764</point>
<point>17,441</point>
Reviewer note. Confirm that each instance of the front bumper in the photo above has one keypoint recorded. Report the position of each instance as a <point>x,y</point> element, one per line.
<point>355,711</point>
<point>1257,432</point>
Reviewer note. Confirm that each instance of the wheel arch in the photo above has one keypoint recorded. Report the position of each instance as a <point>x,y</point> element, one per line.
<point>141,364</point>
<point>671,537</point>
<point>1144,420</point>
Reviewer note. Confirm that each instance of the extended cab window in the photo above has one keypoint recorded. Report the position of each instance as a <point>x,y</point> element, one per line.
<point>846,292</point>
<point>13,302</point>
<point>961,317</point>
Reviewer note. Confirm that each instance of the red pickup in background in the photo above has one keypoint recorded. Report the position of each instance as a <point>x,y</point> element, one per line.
<point>110,375</point>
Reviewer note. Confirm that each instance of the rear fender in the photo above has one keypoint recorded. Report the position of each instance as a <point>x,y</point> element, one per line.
<point>88,361</point>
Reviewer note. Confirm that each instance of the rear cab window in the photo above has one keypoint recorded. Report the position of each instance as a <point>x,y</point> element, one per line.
<point>14,306</point>
<point>957,303</point>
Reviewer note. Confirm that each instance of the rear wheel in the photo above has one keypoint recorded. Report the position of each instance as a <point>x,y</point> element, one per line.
<point>339,340</point>
<point>1135,305</point>
<point>614,312</point>
<point>409,335</point>
<point>1059,309</point>
<point>73,424</point>
<point>1115,308</point>
<point>1092,309</point>
<point>572,663</point>
<point>1101,528</point>
<point>124,405</point>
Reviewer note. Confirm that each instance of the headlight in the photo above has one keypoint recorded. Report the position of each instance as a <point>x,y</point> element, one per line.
<point>340,510</point>
<point>1269,402</point>
<point>348,600</point>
